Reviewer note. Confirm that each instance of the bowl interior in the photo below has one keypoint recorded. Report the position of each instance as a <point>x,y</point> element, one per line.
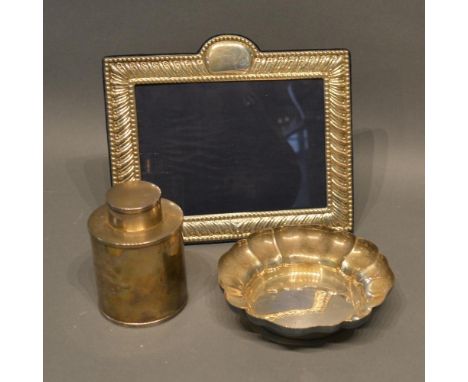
<point>303,295</point>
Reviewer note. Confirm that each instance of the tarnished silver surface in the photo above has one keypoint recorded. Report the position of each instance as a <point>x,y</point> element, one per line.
<point>138,255</point>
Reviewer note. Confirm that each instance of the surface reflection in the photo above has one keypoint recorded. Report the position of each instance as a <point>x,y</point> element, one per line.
<point>234,146</point>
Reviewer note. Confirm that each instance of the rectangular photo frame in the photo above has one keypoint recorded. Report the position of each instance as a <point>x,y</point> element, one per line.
<point>231,59</point>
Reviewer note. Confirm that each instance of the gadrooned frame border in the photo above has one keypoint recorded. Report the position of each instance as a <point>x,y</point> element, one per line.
<point>121,74</point>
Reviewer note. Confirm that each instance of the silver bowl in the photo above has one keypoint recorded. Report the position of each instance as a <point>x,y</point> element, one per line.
<point>304,282</point>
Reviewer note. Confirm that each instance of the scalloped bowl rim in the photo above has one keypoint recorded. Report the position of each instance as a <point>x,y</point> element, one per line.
<point>312,330</point>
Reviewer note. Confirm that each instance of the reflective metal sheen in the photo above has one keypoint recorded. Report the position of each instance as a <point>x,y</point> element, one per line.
<point>138,255</point>
<point>229,56</point>
<point>303,282</point>
<point>229,59</point>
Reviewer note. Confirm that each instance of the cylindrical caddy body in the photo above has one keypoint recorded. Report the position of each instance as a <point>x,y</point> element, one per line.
<point>138,255</point>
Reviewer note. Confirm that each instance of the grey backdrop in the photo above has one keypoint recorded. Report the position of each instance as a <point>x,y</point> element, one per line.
<point>206,342</point>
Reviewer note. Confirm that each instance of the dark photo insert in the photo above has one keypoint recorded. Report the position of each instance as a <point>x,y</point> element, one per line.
<point>224,147</point>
